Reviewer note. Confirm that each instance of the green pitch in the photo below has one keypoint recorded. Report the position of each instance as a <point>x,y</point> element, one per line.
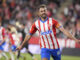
<point>28,57</point>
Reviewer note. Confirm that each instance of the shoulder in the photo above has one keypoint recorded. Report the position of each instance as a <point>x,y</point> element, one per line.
<point>53,20</point>
<point>36,22</point>
<point>50,18</point>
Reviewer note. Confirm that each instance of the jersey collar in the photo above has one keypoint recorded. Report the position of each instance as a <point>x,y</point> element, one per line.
<point>43,21</point>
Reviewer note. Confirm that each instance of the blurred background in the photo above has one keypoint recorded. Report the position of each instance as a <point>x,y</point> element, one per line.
<point>18,15</point>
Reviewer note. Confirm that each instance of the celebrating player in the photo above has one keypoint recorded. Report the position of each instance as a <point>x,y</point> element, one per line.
<point>47,29</point>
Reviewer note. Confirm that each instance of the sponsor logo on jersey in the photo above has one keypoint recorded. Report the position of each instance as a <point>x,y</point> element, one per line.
<point>47,32</point>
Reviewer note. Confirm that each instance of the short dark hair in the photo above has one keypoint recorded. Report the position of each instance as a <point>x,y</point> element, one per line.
<point>42,6</point>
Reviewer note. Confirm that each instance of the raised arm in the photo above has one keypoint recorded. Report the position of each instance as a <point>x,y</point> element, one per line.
<point>61,28</point>
<point>27,38</point>
<point>68,34</point>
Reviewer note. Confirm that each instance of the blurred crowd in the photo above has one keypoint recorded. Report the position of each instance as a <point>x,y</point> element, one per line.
<point>19,15</point>
<point>70,18</point>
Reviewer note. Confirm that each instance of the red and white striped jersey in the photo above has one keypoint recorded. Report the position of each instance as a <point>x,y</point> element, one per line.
<point>9,38</point>
<point>2,33</point>
<point>47,30</point>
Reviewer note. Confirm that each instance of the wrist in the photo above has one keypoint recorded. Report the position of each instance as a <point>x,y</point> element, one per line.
<point>74,38</point>
<point>21,46</point>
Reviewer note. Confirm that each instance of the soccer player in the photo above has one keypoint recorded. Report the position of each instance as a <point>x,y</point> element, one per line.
<point>2,41</point>
<point>47,29</point>
<point>10,41</point>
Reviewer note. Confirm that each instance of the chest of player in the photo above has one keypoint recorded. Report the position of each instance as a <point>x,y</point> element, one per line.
<point>45,27</point>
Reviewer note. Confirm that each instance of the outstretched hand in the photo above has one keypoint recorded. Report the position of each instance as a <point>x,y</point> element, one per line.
<point>19,48</point>
<point>78,41</point>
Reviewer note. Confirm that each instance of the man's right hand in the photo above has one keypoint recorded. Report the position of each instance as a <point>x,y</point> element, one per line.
<point>19,48</point>
<point>27,38</point>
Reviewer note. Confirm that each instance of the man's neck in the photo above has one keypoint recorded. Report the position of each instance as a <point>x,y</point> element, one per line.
<point>43,19</point>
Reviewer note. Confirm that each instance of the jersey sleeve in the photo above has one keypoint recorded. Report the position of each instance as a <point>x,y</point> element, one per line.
<point>57,24</point>
<point>33,29</point>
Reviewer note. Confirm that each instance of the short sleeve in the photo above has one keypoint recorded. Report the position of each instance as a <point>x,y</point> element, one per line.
<point>33,29</point>
<point>57,24</point>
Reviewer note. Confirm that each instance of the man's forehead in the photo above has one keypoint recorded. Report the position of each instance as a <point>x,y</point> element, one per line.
<point>42,9</point>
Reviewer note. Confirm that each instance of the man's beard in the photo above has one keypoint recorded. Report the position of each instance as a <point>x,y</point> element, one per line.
<point>44,17</point>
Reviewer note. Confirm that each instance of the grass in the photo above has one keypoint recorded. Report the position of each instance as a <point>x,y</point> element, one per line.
<point>28,57</point>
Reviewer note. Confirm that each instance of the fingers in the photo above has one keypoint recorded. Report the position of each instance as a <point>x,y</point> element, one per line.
<point>78,41</point>
<point>17,49</point>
